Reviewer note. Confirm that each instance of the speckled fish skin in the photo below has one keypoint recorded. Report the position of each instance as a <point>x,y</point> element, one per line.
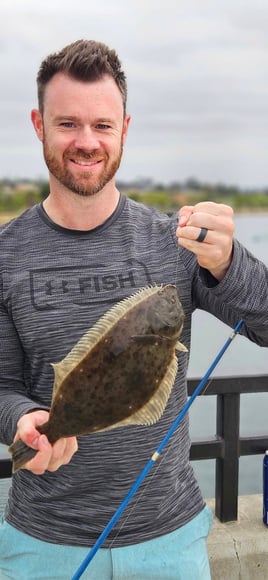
<point>121,372</point>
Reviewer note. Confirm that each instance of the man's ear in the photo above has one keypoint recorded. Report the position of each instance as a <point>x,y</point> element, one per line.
<point>125,128</point>
<point>37,122</point>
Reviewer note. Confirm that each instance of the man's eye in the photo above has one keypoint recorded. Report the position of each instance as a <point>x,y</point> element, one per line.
<point>102,126</point>
<point>67,124</point>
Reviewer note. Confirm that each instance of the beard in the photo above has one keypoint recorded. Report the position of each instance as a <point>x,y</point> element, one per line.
<point>86,183</point>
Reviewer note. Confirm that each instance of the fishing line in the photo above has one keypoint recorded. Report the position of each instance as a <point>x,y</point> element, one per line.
<point>154,457</point>
<point>207,386</point>
<point>177,261</point>
<point>139,498</point>
<point>163,458</point>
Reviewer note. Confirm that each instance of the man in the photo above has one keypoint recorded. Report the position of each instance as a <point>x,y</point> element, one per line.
<point>63,264</point>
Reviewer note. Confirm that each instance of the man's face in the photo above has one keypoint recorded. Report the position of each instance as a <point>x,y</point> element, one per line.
<point>83,130</point>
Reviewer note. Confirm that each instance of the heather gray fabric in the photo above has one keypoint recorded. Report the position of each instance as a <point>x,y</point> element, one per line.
<point>55,284</point>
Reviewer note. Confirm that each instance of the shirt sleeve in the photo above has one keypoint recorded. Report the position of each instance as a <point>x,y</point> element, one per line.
<point>242,294</point>
<point>14,398</point>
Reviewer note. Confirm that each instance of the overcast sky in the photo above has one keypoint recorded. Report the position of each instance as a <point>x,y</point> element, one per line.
<point>198,83</point>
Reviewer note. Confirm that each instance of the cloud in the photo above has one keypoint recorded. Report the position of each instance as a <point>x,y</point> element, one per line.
<point>197,74</point>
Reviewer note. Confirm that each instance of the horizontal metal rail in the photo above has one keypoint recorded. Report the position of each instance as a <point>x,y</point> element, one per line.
<point>226,446</point>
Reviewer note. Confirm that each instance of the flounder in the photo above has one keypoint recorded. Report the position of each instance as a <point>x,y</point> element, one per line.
<point>120,372</point>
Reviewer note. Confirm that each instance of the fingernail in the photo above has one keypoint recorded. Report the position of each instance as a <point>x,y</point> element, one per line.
<point>182,220</point>
<point>43,441</point>
<point>34,443</point>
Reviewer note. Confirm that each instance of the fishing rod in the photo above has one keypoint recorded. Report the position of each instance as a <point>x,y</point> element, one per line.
<point>154,457</point>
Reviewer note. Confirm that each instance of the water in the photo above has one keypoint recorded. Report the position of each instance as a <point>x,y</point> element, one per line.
<point>242,357</point>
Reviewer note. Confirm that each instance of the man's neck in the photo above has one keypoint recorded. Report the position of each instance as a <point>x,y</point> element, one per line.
<point>81,213</point>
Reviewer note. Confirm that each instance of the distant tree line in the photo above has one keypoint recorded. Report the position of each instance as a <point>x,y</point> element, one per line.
<point>16,195</point>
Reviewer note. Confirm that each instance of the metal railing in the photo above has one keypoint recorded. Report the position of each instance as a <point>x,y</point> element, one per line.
<point>226,446</point>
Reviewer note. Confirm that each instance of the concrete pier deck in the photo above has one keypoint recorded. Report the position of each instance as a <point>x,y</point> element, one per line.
<point>239,550</point>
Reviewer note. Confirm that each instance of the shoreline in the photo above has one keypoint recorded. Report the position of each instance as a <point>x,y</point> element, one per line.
<point>6,216</point>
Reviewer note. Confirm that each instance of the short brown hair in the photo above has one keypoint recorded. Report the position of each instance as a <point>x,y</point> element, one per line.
<point>84,60</point>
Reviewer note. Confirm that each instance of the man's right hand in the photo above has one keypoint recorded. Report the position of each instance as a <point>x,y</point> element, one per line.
<point>49,457</point>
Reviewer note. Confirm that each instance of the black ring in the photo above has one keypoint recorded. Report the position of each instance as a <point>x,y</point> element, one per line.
<point>202,235</point>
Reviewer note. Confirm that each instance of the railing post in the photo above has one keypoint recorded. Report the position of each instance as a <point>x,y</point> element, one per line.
<point>5,468</point>
<point>227,467</point>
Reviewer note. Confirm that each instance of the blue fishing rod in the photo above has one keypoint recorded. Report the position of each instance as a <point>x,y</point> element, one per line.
<point>154,457</point>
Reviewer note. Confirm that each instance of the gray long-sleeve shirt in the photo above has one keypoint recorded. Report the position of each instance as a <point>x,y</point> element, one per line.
<point>54,285</point>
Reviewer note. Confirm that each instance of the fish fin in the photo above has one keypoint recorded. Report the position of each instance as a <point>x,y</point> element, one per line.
<point>181,347</point>
<point>91,338</point>
<point>153,410</point>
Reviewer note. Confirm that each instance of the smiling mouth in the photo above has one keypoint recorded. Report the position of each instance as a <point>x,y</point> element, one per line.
<point>85,163</point>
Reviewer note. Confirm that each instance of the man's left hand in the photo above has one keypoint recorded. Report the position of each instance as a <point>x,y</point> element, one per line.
<point>215,252</point>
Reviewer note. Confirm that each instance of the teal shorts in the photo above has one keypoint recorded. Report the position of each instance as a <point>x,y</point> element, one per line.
<point>180,555</point>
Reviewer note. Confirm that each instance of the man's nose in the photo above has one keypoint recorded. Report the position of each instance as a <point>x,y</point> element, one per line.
<point>86,138</point>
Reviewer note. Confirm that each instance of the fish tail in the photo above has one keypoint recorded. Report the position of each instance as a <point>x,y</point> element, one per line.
<point>21,454</point>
